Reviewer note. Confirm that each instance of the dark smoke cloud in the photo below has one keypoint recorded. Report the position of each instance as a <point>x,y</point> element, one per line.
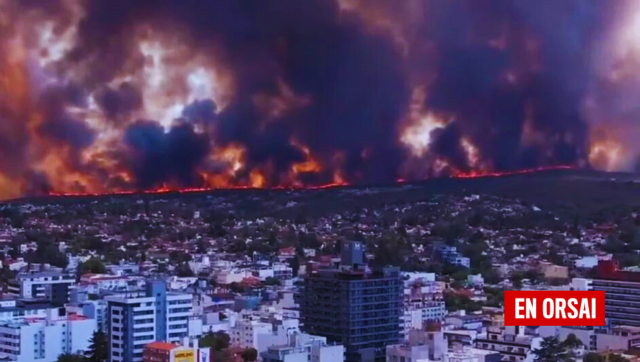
<point>117,104</point>
<point>543,47</point>
<point>57,125</point>
<point>511,76</point>
<point>158,157</point>
<point>201,112</point>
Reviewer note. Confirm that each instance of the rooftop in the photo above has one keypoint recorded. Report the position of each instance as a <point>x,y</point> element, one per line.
<point>165,346</point>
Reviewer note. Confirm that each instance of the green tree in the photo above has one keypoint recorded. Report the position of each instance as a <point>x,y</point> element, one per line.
<point>516,279</point>
<point>594,357</point>
<point>216,341</point>
<point>183,270</point>
<point>92,265</point>
<point>551,350</point>
<point>250,355</point>
<point>98,348</point>
<point>271,281</point>
<point>612,357</point>
<point>68,357</point>
<point>572,341</point>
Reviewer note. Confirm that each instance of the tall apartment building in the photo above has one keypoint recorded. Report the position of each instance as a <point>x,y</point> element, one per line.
<point>622,293</point>
<point>50,285</point>
<point>354,306</point>
<point>44,339</point>
<point>136,319</point>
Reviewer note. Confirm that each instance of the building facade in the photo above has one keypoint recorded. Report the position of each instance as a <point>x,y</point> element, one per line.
<point>354,306</point>
<point>172,352</point>
<point>304,348</point>
<point>622,293</point>
<point>511,342</point>
<point>43,285</point>
<point>136,319</point>
<point>44,339</point>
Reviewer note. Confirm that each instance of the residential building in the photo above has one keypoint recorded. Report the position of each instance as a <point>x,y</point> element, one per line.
<point>467,354</point>
<point>43,285</point>
<point>124,269</point>
<point>622,293</point>
<point>354,306</point>
<point>451,255</point>
<point>261,334</point>
<point>421,345</point>
<point>476,280</point>
<point>12,308</point>
<point>172,352</point>
<point>461,320</point>
<point>618,338</point>
<point>44,339</point>
<point>95,309</point>
<point>551,271</point>
<point>136,319</point>
<point>423,303</point>
<point>303,348</point>
<point>97,282</point>
<point>511,342</point>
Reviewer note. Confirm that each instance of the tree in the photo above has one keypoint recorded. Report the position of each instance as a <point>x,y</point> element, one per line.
<point>516,279</point>
<point>593,357</point>
<point>249,355</point>
<point>202,246</point>
<point>216,341</point>
<point>612,357</point>
<point>271,281</point>
<point>572,341</point>
<point>68,357</point>
<point>92,265</point>
<point>551,350</point>
<point>98,348</point>
<point>183,271</point>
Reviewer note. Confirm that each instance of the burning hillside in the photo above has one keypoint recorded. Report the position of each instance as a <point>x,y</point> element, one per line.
<point>121,96</point>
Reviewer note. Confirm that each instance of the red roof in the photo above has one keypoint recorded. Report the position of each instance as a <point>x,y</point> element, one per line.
<point>76,317</point>
<point>289,251</point>
<point>165,346</point>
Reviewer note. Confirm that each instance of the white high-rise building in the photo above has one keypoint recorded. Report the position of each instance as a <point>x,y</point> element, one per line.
<point>44,339</point>
<point>138,318</point>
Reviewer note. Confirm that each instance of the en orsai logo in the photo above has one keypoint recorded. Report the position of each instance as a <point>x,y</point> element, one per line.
<point>554,308</point>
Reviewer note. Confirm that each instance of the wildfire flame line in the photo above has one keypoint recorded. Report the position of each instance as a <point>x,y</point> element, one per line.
<point>167,190</point>
<point>480,174</point>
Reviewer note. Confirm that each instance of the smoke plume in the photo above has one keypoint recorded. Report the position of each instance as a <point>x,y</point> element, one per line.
<point>119,95</point>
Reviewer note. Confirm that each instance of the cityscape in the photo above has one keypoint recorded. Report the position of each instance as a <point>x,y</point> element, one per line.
<point>396,273</point>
